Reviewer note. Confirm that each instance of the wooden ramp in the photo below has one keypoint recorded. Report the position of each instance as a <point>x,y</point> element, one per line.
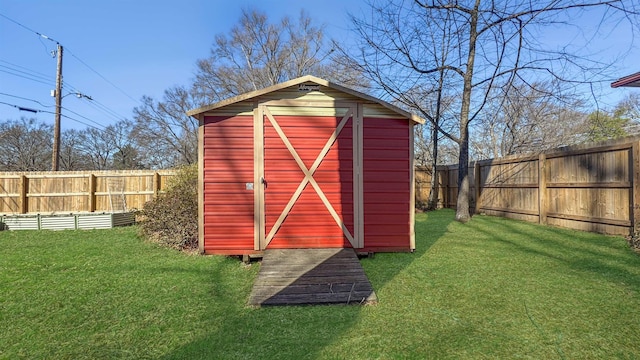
<point>311,276</point>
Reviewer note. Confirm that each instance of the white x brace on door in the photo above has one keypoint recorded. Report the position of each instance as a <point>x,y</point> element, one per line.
<point>292,197</point>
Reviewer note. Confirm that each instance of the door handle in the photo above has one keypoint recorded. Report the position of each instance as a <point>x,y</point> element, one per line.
<point>264,181</point>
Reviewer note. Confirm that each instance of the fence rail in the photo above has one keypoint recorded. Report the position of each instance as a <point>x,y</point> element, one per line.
<point>594,188</point>
<point>79,191</point>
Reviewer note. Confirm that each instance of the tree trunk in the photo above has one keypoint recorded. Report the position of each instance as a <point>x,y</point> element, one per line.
<point>432,202</point>
<point>462,206</point>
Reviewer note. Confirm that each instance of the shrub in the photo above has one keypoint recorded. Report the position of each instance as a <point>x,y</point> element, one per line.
<point>171,219</point>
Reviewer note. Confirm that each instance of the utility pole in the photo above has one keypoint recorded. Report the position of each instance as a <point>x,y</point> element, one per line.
<point>56,126</point>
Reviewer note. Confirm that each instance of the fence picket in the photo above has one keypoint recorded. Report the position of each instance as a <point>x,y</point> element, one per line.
<point>589,187</point>
<point>76,191</point>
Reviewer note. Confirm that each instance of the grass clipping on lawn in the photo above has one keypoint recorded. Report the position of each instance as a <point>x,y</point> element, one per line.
<point>491,288</point>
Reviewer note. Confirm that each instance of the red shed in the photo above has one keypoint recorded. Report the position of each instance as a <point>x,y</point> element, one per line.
<point>305,164</point>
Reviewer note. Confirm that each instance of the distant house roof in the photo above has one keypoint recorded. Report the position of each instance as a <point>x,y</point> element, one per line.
<point>632,80</point>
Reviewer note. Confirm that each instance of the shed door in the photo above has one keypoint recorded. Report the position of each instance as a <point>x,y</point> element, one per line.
<point>309,196</point>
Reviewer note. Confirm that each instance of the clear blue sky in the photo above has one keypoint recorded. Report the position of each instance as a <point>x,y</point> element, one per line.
<point>142,47</point>
<point>146,46</point>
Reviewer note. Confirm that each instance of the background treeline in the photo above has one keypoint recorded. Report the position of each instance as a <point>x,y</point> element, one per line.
<point>479,103</point>
<point>527,124</point>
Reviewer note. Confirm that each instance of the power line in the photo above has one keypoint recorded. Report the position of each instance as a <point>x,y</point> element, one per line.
<point>33,76</point>
<point>78,121</point>
<point>99,126</point>
<point>106,130</point>
<point>99,106</point>
<point>28,29</point>
<point>75,56</point>
<point>103,78</point>
<point>25,77</point>
<point>30,71</point>
<point>84,117</point>
<point>23,98</point>
<point>22,108</point>
<point>41,104</point>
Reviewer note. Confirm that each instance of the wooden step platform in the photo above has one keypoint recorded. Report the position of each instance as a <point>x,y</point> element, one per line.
<point>311,276</point>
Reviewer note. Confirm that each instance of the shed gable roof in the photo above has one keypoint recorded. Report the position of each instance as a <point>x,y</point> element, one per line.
<point>302,80</point>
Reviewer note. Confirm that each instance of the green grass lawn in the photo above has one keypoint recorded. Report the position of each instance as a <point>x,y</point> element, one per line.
<point>491,288</point>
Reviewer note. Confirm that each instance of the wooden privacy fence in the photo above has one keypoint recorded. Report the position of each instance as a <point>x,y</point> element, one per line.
<point>594,188</point>
<point>79,191</point>
<point>447,189</point>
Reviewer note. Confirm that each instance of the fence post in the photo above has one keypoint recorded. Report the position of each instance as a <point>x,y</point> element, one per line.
<point>635,189</point>
<point>440,200</point>
<point>445,195</point>
<point>477,192</point>
<point>542,189</point>
<point>156,184</point>
<point>453,189</point>
<point>24,190</point>
<point>92,192</point>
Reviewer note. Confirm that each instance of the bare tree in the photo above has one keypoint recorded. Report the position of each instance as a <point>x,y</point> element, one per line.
<point>630,107</point>
<point>127,157</point>
<point>97,148</point>
<point>165,135</point>
<point>488,43</point>
<point>25,145</point>
<point>394,28</point>
<point>529,118</point>
<point>257,54</point>
<point>71,155</point>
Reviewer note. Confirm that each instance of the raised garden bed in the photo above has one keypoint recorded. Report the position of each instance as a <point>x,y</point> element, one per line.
<point>66,221</point>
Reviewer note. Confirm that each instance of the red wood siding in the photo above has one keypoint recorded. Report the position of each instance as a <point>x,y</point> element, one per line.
<point>309,223</point>
<point>228,167</point>
<point>386,184</point>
